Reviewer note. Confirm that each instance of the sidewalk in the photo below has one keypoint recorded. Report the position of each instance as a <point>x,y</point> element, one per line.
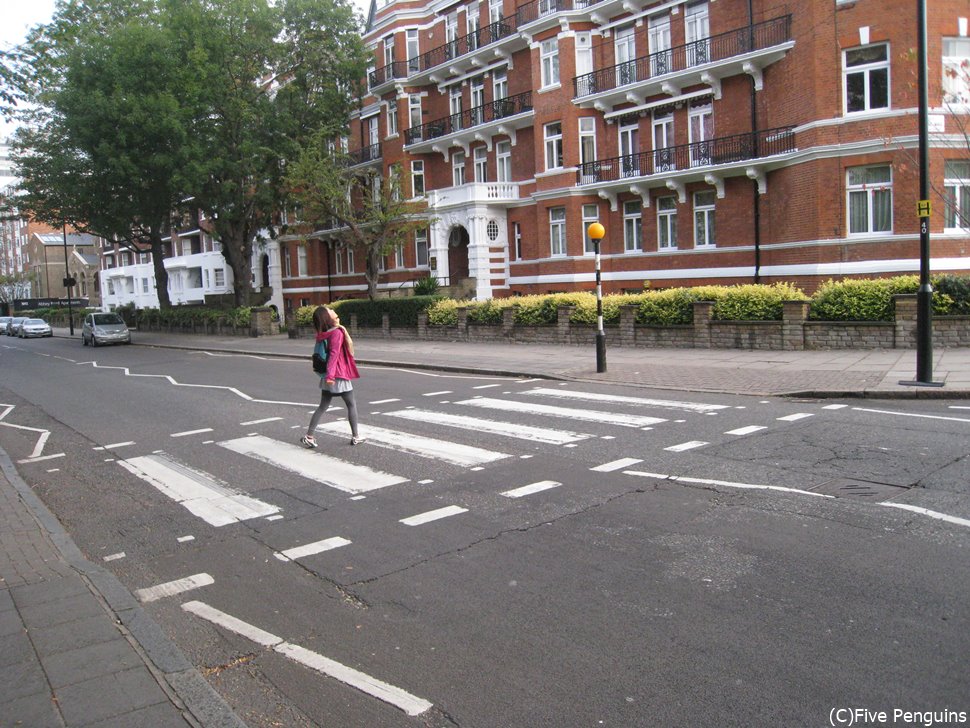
<point>837,373</point>
<point>76,649</point>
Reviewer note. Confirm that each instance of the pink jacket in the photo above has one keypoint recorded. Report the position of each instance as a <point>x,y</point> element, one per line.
<point>340,362</point>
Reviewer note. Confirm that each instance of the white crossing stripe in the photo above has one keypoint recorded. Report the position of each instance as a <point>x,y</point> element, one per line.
<point>191,432</point>
<point>686,446</point>
<point>795,417</point>
<point>185,539</point>
<point>422,518</point>
<point>435,394</point>
<point>115,445</point>
<point>316,466</point>
<point>609,418</point>
<point>616,465</point>
<point>508,429</point>
<point>835,406</point>
<point>620,399</point>
<point>745,430</point>
<point>427,447</point>
<point>410,704</point>
<point>262,421</point>
<point>211,500</point>
<point>530,489</point>
<point>486,386</point>
<point>171,588</point>
<point>310,549</point>
<point>115,557</point>
<point>385,401</point>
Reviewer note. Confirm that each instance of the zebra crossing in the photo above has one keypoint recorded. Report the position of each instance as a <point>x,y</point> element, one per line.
<point>220,504</point>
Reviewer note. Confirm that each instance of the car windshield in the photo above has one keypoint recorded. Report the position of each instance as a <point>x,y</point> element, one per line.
<point>35,322</point>
<point>101,319</point>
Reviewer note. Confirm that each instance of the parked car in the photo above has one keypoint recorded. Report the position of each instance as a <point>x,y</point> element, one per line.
<point>4,320</point>
<point>13,327</point>
<point>104,328</point>
<point>34,327</point>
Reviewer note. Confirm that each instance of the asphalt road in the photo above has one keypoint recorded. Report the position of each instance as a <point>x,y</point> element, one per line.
<point>504,552</point>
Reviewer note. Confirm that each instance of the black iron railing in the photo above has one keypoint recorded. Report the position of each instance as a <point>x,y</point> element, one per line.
<point>365,154</point>
<point>393,70</point>
<point>492,111</point>
<point>538,8</point>
<point>466,44</point>
<point>737,148</point>
<point>707,50</point>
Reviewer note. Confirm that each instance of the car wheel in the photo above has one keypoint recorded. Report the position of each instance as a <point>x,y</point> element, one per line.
<point>94,340</point>
<point>84,340</point>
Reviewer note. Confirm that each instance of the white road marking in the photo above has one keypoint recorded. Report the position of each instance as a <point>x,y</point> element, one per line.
<point>530,489</point>
<point>795,417</point>
<point>316,466</point>
<point>260,422</point>
<point>835,406</point>
<point>422,518</point>
<point>427,447</point>
<point>911,414</point>
<point>508,429</point>
<point>42,457</point>
<point>115,557</point>
<point>185,539</point>
<point>745,430</point>
<point>409,704</point>
<point>310,549</point>
<point>211,500</point>
<point>609,418</point>
<point>385,401</point>
<point>171,588</point>
<point>436,394</point>
<point>724,483</point>
<point>926,512</point>
<point>277,517</point>
<point>686,446</point>
<point>486,386</point>
<point>191,432</point>
<point>620,399</point>
<point>114,445</point>
<point>616,465</point>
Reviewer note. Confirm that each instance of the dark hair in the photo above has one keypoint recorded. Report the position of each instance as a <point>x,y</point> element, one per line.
<point>324,319</point>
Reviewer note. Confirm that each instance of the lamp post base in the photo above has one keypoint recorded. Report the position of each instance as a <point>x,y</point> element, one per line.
<point>600,352</point>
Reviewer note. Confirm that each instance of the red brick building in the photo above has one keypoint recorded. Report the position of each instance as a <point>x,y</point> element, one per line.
<point>718,141</point>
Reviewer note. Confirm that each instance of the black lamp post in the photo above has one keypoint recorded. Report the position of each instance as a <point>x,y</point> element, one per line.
<point>596,233</point>
<point>68,282</point>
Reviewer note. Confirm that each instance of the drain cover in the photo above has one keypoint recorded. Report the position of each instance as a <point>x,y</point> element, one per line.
<point>849,488</point>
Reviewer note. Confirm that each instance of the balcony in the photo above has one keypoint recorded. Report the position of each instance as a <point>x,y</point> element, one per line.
<point>688,162</point>
<point>457,52</point>
<point>386,75</point>
<point>539,9</point>
<point>499,114</point>
<point>744,50</point>
<point>475,192</point>
<point>365,155</point>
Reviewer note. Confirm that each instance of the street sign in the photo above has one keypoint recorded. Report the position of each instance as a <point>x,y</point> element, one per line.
<point>923,208</point>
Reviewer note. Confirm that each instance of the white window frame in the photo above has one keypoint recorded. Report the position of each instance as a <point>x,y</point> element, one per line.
<point>414,110</point>
<point>632,226</point>
<point>552,137</point>
<point>591,214</point>
<point>500,85</point>
<point>458,169</point>
<point>495,11</point>
<point>503,161</point>
<point>867,192</point>
<point>301,261</point>
<point>421,249</point>
<point>659,43</point>
<point>587,139</point>
<point>287,266</point>
<point>389,52</point>
<point>399,256</point>
<point>549,61</point>
<point>667,223</point>
<point>418,187</point>
<point>704,230</point>
<point>557,232</point>
<point>700,129</point>
<point>219,277</point>
<point>338,259</point>
<point>956,191</point>
<point>663,137</point>
<point>412,45</point>
<point>392,118</point>
<point>584,52</point>
<point>867,71</point>
<point>956,71</point>
<point>481,164</point>
<point>473,24</point>
<point>697,32</point>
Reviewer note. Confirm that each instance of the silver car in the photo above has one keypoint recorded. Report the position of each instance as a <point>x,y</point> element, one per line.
<point>13,326</point>
<point>34,327</point>
<point>104,328</point>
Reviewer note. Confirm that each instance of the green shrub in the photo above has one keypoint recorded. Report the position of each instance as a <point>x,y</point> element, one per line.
<point>444,311</point>
<point>755,302</point>
<point>674,305</point>
<point>427,286</point>
<point>957,289</point>
<point>860,299</point>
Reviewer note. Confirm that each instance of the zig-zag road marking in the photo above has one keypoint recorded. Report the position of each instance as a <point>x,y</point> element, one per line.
<point>41,440</point>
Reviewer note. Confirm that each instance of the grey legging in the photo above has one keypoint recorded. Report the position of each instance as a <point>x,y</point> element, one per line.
<point>325,398</point>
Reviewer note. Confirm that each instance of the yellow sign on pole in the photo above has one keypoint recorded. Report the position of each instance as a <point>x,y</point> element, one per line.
<point>923,208</point>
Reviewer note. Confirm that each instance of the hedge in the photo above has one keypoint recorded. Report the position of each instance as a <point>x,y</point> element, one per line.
<point>402,312</point>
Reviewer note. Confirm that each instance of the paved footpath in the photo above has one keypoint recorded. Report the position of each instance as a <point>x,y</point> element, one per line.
<point>76,649</point>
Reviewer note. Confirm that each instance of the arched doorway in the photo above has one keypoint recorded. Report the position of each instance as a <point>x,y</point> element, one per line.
<point>457,254</point>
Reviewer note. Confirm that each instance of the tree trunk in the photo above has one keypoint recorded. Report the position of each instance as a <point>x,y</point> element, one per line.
<point>161,274</point>
<point>372,272</point>
<point>237,246</point>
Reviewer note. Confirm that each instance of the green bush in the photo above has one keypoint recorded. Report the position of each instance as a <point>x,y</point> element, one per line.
<point>674,305</point>
<point>401,311</point>
<point>957,289</point>
<point>860,299</point>
<point>755,302</point>
<point>427,286</point>
<point>192,315</point>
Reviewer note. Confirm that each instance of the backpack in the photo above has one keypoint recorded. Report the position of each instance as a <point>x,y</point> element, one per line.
<point>320,353</point>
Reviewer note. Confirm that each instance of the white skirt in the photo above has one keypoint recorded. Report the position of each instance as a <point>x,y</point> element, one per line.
<point>339,386</point>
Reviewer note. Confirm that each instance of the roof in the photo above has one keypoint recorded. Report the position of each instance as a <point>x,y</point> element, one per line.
<point>73,239</point>
<point>89,259</point>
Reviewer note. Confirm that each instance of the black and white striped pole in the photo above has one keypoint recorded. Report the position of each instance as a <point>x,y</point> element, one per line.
<point>596,233</point>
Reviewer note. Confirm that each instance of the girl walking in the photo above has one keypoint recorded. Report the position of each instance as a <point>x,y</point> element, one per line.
<point>341,369</point>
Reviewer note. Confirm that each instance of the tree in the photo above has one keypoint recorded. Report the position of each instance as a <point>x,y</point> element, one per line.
<point>265,77</point>
<point>367,212</point>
